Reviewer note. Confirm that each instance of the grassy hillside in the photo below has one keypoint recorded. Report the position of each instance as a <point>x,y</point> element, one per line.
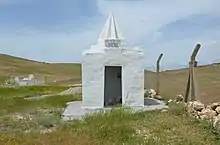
<point>173,82</point>
<point>14,66</point>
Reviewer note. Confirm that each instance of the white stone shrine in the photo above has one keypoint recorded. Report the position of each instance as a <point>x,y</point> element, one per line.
<point>112,72</point>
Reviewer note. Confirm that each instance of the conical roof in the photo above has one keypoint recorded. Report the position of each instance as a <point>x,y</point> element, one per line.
<point>110,30</point>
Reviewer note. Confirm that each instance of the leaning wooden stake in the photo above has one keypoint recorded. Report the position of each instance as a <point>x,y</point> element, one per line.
<point>158,76</point>
<point>190,88</point>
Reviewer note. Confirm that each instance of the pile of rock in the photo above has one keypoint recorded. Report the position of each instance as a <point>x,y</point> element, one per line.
<point>210,112</point>
<point>179,98</point>
<point>151,93</point>
<point>198,110</point>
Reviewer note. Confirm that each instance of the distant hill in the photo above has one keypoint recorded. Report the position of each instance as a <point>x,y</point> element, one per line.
<point>14,66</point>
<point>62,73</point>
<point>173,82</point>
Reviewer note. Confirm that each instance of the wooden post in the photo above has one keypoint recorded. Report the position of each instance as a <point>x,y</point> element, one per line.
<point>190,88</point>
<point>158,76</point>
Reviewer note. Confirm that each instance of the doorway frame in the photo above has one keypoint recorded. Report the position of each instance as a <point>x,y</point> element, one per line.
<point>104,84</point>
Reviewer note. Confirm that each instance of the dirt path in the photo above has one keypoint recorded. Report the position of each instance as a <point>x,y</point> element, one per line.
<point>70,91</point>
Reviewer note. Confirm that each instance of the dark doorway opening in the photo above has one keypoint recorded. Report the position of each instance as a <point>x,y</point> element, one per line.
<point>113,86</point>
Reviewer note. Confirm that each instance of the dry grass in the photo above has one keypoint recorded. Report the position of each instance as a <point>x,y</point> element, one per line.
<point>54,138</point>
<point>14,66</point>
<point>174,82</point>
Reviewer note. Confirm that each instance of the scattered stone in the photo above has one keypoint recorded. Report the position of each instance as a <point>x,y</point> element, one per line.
<point>216,122</point>
<point>198,106</point>
<point>209,107</point>
<point>153,92</point>
<point>46,131</point>
<point>179,98</point>
<point>19,117</point>
<point>207,113</point>
<point>191,111</point>
<point>217,109</point>
<point>30,118</point>
<point>51,111</point>
<point>150,93</point>
<point>215,105</point>
<point>169,101</point>
<point>27,131</point>
<point>164,110</point>
<point>158,97</point>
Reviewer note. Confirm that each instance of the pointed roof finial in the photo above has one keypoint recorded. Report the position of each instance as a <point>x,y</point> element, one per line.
<point>110,29</point>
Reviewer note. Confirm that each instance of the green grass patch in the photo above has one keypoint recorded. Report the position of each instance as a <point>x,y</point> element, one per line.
<point>121,126</point>
<point>26,91</point>
<point>16,105</point>
<point>118,126</point>
<point>3,79</point>
<point>12,99</point>
<point>25,121</point>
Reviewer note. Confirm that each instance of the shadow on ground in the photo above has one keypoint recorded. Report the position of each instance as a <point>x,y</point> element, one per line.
<point>149,101</point>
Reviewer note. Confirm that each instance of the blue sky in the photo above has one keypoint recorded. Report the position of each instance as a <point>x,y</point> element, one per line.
<point>59,30</point>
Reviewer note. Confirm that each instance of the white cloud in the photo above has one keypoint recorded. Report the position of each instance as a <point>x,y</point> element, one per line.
<point>142,20</point>
<point>140,23</point>
<point>65,46</point>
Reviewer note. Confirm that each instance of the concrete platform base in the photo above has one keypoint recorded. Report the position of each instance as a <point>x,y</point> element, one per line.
<point>75,111</point>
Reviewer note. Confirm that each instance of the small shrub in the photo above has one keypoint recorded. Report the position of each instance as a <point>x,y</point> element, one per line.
<point>47,121</point>
<point>177,109</point>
